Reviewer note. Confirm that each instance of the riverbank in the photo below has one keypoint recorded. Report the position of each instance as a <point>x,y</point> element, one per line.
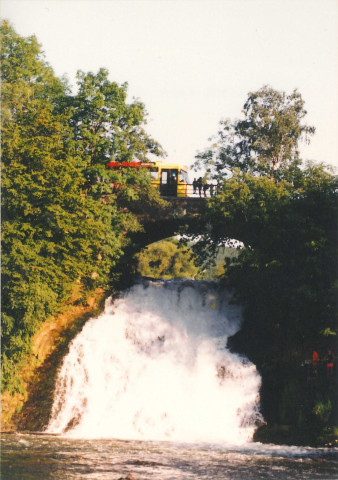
<point>290,435</point>
<point>298,404</point>
<point>30,409</point>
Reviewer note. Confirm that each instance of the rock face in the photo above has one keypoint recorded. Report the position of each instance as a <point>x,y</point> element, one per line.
<point>290,395</point>
<point>31,410</point>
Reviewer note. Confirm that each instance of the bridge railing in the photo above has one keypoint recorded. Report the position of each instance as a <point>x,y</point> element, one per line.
<point>188,190</point>
<point>176,190</point>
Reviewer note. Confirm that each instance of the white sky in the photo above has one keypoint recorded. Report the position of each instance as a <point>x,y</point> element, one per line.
<point>193,62</point>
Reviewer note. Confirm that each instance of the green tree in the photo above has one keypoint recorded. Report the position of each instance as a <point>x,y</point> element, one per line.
<point>287,267</point>
<point>265,141</point>
<point>286,215</point>
<point>166,259</point>
<point>107,128</point>
<point>52,234</point>
<point>58,226</point>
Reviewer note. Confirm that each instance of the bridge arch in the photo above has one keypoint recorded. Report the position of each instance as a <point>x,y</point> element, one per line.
<point>181,212</point>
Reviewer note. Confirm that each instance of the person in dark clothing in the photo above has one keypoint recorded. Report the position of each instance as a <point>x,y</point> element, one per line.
<point>194,186</point>
<point>205,188</point>
<point>199,186</point>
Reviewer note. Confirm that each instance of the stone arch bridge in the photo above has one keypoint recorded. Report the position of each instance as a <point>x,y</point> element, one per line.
<point>181,211</point>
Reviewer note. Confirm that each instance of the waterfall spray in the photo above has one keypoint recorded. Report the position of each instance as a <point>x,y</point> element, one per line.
<point>155,366</point>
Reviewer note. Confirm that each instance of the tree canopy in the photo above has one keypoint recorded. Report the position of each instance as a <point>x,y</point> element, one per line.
<point>57,229</point>
<point>106,127</point>
<point>166,259</point>
<point>283,211</point>
<point>265,141</point>
<point>285,214</point>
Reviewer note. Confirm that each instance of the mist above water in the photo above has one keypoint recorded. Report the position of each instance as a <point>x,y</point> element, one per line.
<point>155,366</point>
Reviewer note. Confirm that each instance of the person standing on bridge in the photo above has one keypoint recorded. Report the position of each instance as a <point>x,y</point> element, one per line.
<point>194,186</point>
<point>200,185</point>
<point>205,188</point>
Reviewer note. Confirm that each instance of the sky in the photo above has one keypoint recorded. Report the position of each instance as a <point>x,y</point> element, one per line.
<point>194,62</point>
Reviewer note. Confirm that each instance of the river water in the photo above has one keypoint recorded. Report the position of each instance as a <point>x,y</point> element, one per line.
<point>44,457</point>
<point>149,389</point>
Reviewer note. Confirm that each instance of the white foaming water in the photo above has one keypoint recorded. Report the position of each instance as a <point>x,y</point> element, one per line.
<point>155,366</point>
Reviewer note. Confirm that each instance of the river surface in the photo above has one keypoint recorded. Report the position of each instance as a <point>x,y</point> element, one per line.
<point>150,389</point>
<point>44,457</point>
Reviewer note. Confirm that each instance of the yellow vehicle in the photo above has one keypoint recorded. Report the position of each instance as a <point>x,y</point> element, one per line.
<point>170,179</point>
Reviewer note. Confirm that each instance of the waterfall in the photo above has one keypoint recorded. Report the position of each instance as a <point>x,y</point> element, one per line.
<point>155,366</point>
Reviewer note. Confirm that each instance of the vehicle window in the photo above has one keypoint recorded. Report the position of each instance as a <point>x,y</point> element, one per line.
<point>153,172</point>
<point>183,177</point>
<point>164,176</point>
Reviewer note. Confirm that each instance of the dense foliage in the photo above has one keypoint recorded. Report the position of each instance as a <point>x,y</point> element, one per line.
<point>265,141</point>
<point>287,270</point>
<point>285,213</point>
<point>58,228</point>
<point>172,259</point>
<point>166,259</point>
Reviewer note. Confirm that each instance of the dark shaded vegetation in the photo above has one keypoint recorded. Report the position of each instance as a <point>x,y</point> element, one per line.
<point>285,214</point>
